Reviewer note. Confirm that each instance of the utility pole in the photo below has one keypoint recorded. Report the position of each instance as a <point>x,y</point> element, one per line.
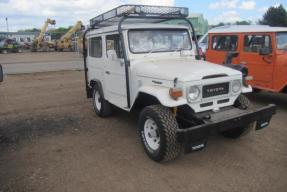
<point>7,25</point>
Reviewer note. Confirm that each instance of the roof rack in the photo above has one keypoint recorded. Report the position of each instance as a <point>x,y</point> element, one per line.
<point>113,16</point>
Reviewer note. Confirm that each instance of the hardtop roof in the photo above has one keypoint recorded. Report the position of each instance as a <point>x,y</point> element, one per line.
<point>247,29</point>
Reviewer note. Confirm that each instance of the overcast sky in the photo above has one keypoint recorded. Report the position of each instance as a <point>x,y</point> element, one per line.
<point>23,14</point>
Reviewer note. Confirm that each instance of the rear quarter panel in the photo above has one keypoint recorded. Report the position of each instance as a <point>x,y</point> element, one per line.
<point>280,71</point>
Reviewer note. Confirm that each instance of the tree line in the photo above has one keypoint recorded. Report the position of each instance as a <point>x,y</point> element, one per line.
<point>274,16</point>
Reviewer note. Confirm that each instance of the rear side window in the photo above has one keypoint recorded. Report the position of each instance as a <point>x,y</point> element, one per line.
<point>253,43</point>
<point>95,47</point>
<point>225,42</point>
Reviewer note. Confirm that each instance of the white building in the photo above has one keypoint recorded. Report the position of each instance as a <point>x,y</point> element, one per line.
<point>23,37</point>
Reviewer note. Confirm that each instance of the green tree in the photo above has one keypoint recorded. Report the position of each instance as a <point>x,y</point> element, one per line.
<point>58,32</point>
<point>235,23</point>
<point>242,23</point>
<point>29,30</point>
<point>275,16</point>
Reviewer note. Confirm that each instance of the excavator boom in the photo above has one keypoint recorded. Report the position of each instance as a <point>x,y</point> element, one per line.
<point>40,38</point>
<point>65,42</point>
<point>75,28</point>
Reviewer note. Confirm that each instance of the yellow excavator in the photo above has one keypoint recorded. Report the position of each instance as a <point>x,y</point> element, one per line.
<point>39,43</point>
<point>66,42</point>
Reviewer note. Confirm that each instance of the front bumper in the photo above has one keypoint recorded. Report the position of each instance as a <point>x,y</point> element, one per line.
<point>226,120</point>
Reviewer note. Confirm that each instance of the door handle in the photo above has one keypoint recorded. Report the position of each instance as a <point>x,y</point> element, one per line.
<point>107,72</point>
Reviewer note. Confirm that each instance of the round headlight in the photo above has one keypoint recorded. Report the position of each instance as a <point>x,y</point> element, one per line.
<point>236,86</point>
<point>193,93</point>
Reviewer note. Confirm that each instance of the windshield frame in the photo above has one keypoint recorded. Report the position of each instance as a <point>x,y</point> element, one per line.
<point>157,29</point>
<point>277,33</point>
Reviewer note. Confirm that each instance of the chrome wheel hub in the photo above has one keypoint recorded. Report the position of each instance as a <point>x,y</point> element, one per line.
<point>151,133</point>
<point>98,100</point>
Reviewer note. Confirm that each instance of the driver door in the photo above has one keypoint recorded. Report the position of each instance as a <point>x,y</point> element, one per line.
<point>115,72</point>
<point>260,67</point>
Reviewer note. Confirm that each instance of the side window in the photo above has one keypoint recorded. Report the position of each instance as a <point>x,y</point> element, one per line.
<point>113,43</point>
<point>253,43</point>
<point>225,42</point>
<point>204,39</point>
<point>95,47</point>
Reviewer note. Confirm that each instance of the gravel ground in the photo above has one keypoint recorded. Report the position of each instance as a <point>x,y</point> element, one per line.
<point>51,140</point>
<point>35,57</point>
<point>31,62</point>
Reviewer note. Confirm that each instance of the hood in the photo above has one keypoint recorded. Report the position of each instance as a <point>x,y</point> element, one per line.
<point>185,69</point>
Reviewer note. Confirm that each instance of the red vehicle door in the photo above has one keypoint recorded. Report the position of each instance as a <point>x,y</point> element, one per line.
<point>260,66</point>
<point>219,45</point>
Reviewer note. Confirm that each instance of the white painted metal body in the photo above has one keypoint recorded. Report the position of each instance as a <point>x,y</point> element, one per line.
<point>154,73</point>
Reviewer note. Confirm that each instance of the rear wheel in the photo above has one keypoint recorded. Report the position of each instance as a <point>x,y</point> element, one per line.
<point>157,128</point>
<point>101,106</point>
<point>243,103</point>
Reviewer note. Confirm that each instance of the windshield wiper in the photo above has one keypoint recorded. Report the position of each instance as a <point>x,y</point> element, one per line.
<point>159,49</point>
<point>179,49</point>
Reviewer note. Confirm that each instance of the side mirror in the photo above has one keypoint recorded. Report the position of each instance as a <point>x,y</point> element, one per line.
<point>1,74</point>
<point>229,57</point>
<point>265,51</point>
<point>112,54</point>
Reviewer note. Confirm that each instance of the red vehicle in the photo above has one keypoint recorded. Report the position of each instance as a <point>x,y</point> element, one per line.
<point>262,49</point>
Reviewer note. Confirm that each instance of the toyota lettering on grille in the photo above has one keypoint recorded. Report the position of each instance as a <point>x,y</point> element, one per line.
<point>215,90</point>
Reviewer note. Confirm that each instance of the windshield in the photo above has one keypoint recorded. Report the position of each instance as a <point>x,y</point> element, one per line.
<point>281,39</point>
<point>159,40</point>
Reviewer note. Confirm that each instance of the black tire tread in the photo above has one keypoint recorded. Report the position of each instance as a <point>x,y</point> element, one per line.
<point>242,102</point>
<point>173,147</point>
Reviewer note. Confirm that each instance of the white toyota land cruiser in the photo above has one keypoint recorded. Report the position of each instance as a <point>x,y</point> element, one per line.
<point>135,62</point>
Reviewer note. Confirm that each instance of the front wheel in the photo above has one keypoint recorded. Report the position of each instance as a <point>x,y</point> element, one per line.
<point>243,103</point>
<point>101,106</point>
<point>157,129</point>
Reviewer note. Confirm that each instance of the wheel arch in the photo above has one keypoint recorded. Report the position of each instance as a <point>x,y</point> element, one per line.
<point>92,83</point>
<point>144,99</point>
<point>151,95</point>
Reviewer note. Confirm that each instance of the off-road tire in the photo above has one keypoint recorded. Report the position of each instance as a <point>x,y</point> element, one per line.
<point>106,108</point>
<point>243,103</point>
<point>255,90</point>
<point>169,148</point>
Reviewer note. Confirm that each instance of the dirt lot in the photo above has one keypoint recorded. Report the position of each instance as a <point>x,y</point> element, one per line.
<point>51,140</point>
<point>32,57</point>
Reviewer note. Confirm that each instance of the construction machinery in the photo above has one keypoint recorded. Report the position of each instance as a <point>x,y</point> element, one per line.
<point>9,45</point>
<point>39,42</point>
<point>66,41</point>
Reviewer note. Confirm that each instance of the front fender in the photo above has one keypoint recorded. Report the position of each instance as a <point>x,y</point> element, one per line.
<point>247,89</point>
<point>162,94</point>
